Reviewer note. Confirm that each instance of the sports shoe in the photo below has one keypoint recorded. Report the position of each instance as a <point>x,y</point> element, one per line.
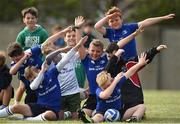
<point>2,107</point>
<point>85,118</point>
<point>132,119</point>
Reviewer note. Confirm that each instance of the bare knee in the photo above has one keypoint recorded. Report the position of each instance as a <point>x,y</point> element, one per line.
<point>15,108</point>
<point>50,115</point>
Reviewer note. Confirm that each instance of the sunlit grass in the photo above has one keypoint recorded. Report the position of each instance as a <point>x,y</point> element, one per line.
<point>162,107</point>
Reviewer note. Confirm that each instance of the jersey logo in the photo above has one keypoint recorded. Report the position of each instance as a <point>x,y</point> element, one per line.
<point>134,78</point>
<point>124,32</point>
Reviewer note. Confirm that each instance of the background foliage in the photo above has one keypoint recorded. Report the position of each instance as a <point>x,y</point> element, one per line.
<point>64,11</point>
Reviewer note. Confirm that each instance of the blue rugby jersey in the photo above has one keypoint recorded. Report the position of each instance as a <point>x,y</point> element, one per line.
<point>114,35</point>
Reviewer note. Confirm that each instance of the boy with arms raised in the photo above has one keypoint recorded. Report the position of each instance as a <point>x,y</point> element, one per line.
<point>46,85</point>
<point>118,30</point>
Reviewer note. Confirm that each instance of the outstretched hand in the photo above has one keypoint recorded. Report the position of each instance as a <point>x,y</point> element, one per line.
<point>82,41</point>
<point>169,16</point>
<point>139,30</point>
<point>79,21</point>
<point>161,47</point>
<point>142,59</point>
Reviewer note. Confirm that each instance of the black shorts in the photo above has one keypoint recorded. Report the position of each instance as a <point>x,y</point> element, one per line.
<point>37,109</point>
<point>130,105</point>
<point>30,98</point>
<point>90,103</point>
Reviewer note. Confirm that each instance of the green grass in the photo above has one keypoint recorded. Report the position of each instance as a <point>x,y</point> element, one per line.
<point>162,107</point>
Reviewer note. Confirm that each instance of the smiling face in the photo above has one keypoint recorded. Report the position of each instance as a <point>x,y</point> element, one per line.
<point>70,38</point>
<point>95,51</point>
<point>115,22</point>
<point>30,20</point>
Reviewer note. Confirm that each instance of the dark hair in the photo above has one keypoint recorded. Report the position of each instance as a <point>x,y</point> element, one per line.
<point>89,23</point>
<point>2,58</point>
<point>31,10</point>
<point>14,49</point>
<point>112,47</point>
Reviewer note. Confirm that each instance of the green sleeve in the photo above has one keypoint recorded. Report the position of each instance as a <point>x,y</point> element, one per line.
<point>44,36</point>
<point>20,39</point>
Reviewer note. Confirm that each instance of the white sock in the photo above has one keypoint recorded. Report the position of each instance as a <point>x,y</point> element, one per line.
<point>37,118</point>
<point>5,112</point>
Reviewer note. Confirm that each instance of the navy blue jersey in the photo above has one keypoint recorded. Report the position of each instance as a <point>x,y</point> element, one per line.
<point>34,60</point>
<point>49,92</point>
<point>115,35</point>
<point>92,68</point>
<point>113,102</point>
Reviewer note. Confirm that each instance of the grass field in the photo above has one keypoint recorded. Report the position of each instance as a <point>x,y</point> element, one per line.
<point>162,107</point>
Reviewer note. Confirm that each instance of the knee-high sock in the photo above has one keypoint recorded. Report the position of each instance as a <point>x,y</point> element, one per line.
<point>5,112</point>
<point>37,118</point>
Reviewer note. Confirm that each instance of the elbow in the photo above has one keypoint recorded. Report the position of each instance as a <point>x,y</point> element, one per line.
<point>33,87</point>
<point>96,26</point>
<point>103,96</point>
<point>12,72</point>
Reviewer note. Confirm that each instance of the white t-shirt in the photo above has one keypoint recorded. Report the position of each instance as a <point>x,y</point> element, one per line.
<point>67,77</point>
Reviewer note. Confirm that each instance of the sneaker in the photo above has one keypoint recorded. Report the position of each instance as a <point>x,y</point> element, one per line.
<point>132,119</point>
<point>2,107</point>
<point>67,114</point>
<point>85,118</point>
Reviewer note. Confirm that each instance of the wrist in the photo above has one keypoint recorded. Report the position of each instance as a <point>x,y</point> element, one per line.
<point>76,27</point>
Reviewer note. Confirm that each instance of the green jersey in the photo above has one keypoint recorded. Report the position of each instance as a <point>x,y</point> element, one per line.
<point>27,38</point>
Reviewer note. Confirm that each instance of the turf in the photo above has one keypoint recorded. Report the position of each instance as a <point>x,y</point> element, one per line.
<point>162,107</point>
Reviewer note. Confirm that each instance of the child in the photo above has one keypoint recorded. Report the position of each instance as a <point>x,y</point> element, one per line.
<point>21,60</point>
<point>87,30</point>
<point>6,90</point>
<point>94,62</point>
<point>46,84</point>
<point>132,94</point>
<point>60,42</point>
<point>67,76</point>
<point>32,34</point>
<point>108,93</point>
<point>118,30</point>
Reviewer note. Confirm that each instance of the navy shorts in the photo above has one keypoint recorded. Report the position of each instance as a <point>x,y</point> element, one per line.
<point>37,109</point>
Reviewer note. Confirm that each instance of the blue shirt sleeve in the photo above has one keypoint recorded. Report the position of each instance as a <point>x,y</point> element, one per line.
<point>36,50</point>
<point>132,26</point>
<point>108,33</point>
<point>122,81</point>
<point>98,91</point>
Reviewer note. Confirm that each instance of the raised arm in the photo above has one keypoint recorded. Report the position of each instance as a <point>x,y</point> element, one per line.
<point>52,55</point>
<point>57,35</point>
<point>78,24</point>
<point>142,62</point>
<point>151,21</point>
<point>127,39</point>
<point>38,80</point>
<point>70,54</point>
<point>99,26</point>
<point>109,90</point>
<point>15,68</point>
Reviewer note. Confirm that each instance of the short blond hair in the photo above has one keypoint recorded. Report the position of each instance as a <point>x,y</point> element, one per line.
<point>97,43</point>
<point>28,73</point>
<point>113,10</point>
<point>47,48</point>
<point>102,78</point>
